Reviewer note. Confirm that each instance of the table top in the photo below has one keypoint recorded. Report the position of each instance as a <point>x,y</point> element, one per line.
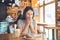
<point>12,37</point>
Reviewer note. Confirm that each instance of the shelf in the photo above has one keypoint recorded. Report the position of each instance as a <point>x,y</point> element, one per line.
<point>58,14</point>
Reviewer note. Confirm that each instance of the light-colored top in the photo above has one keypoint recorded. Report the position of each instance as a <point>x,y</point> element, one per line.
<point>9,19</point>
<point>23,22</point>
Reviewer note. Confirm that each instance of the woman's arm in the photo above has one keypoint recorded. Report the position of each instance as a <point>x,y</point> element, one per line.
<point>33,29</point>
<point>25,30</point>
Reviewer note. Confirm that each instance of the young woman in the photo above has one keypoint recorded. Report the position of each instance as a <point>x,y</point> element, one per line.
<point>27,24</point>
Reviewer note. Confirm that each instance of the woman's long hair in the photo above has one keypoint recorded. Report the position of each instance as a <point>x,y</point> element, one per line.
<point>25,10</point>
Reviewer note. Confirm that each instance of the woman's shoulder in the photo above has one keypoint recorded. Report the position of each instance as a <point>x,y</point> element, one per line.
<point>21,20</point>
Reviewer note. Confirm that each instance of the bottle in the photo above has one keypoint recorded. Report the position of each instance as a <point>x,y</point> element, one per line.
<point>16,31</point>
<point>15,26</point>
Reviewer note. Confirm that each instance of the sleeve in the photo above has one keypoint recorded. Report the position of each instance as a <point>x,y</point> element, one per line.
<point>35,23</point>
<point>19,23</point>
<point>35,26</point>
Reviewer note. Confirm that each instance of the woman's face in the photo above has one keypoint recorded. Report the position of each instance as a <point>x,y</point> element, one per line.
<point>29,14</point>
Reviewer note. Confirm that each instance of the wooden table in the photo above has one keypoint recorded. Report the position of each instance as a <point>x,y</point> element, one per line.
<point>36,38</point>
<point>12,37</point>
<point>9,37</point>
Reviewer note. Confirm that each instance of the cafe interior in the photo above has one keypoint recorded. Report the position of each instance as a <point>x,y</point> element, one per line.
<point>48,24</point>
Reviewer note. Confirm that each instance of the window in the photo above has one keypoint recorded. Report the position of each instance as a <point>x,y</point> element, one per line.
<point>41,14</point>
<point>41,2</point>
<point>47,12</point>
<point>48,34</point>
<point>47,1</point>
<point>47,15</point>
<point>50,13</point>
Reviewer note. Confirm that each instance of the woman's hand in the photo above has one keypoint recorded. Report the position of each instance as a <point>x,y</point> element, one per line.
<point>29,20</point>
